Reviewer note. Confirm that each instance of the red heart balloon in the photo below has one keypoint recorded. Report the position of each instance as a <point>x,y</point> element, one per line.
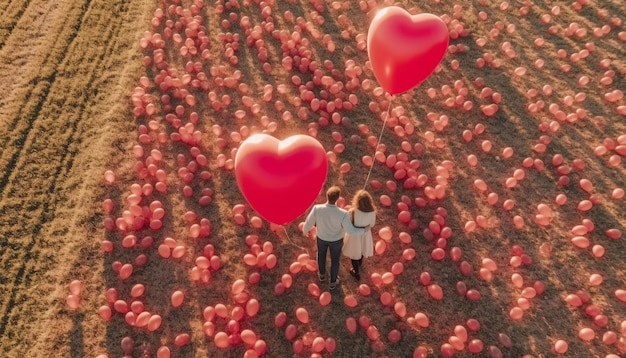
<point>280,179</point>
<point>405,49</point>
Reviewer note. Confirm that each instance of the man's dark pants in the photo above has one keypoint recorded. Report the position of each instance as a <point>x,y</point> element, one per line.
<point>335,254</point>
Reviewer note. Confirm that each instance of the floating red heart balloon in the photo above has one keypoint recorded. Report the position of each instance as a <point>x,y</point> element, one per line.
<point>405,49</point>
<point>280,179</point>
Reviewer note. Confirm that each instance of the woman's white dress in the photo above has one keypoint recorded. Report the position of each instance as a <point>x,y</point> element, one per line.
<point>362,245</point>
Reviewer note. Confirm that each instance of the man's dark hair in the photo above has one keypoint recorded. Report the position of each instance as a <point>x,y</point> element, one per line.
<point>332,194</point>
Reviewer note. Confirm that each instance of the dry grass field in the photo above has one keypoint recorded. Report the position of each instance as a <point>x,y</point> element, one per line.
<point>120,120</point>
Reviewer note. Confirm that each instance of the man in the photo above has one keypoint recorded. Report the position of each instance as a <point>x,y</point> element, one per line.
<point>331,223</point>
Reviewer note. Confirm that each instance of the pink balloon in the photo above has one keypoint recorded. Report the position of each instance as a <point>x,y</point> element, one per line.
<point>520,71</point>
<point>385,233</point>
<point>76,287</point>
<point>325,298</point>
<point>252,307</point>
<point>473,325</point>
<point>529,292</point>
<point>422,320</point>
<point>573,300</point>
<point>489,110</point>
<point>394,336</point>
<point>560,346</point>
<point>364,290</point>
<point>586,185</point>
<point>598,251</point>
<point>580,241</point>
<point>330,344</point>
<point>260,346</point>
<point>271,261</point>
<point>475,346</point>
<point>461,333</point>
<point>480,185</point>
<point>221,340</point>
<point>435,291</point>
<point>405,49</point>
<point>438,254</point>
<point>609,337</point>
<point>248,336</point>
<point>386,298</point>
<point>351,325</point>
<point>385,200</point>
<point>447,350</point>
<point>105,313</point>
<point>318,344</point>
<point>142,319</point>
<point>109,177</point>
<point>298,345</point>
<point>579,230</point>
<point>516,313</point>
<point>561,199</point>
<point>397,268</point>
<point>177,298</point>
<point>613,233</point>
<point>127,344</point>
<point>137,290</point>
<point>400,309</point>
<point>264,166</point>
<point>505,340</point>
<point>350,301</point>
<point>290,332</point>
<point>238,286</point>
<point>280,319</point>
<point>73,301</point>
<point>586,334</point>
<point>408,254</point>
<point>126,271</point>
<point>302,314</point>
<point>372,333</point>
<point>163,352</point>
<point>380,247</point>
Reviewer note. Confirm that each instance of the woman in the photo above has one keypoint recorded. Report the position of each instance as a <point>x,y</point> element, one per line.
<point>356,247</point>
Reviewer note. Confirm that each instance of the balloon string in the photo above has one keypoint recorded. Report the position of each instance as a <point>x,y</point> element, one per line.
<point>382,130</point>
<point>293,243</point>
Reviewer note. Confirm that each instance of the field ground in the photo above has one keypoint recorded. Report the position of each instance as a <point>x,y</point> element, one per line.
<point>82,93</point>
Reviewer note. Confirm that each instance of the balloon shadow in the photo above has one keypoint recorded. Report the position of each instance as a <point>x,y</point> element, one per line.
<point>77,339</point>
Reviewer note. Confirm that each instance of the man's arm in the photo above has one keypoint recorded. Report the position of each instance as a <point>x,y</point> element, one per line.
<point>309,222</point>
<point>347,225</point>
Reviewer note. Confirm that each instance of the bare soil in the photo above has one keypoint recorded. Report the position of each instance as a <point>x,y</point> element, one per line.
<point>69,71</point>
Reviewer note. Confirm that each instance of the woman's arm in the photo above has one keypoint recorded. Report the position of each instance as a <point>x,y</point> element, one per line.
<point>372,219</point>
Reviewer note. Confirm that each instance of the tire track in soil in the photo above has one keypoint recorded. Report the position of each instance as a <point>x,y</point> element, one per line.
<point>31,118</point>
<point>27,54</point>
<point>19,88</point>
<point>112,45</point>
<point>10,20</point>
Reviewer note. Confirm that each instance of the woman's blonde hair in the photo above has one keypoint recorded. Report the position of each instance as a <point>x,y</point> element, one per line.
<point>363,201</point>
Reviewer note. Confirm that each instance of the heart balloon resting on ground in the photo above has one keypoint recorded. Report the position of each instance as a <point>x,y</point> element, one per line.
<point>280,179</point>
<point>405,49</point>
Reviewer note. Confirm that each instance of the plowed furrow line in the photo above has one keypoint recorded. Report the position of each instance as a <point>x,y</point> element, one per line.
<point>4,4</point>
<point>65,202</point>
<point>35,101</point>
<point>21,161</point>
<point>28,68</point>
<point>40,82</point>
<point>9,17</point>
